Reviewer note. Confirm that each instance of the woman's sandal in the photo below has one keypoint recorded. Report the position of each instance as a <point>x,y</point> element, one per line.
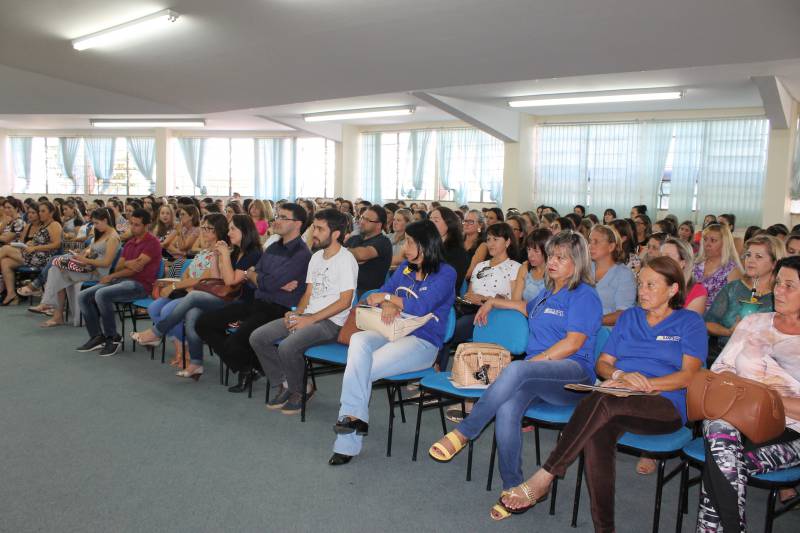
<point>50,324</point>
<point>499,511</point>
<point>529,495</point>
<point>136,336</point>
<point>645,466</point>
<point>445,454</point>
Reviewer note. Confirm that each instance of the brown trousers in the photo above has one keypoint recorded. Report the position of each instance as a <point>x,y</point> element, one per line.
<point>594,429</point>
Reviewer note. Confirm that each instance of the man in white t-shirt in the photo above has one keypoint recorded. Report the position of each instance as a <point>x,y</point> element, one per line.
<point>330,285</point>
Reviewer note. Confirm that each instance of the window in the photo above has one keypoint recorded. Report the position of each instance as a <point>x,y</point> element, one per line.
<point>228,166</point>
<point>448,164</point>
<point>47,175</point>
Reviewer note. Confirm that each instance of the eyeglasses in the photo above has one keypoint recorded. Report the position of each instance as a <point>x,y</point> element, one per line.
<point>362,218</point>
<point>469,222</point>
<point>282,217</point>
<point>207,228</point>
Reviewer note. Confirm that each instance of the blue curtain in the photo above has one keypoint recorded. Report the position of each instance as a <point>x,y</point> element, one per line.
<point>101,154</point>
<point>69,147</point>
<point>21,158</point>
<point>143,151</point>
<point>371,167</point>
<point>417,151</point>
<point>275,169</point>
<point>193,150</point>
<point>457,158</point>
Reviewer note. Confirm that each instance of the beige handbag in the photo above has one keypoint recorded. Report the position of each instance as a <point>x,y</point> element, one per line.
<point>477,364</point>
<point>368,318</point>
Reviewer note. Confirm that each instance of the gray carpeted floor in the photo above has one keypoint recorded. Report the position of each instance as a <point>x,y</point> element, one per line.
<point>120,444</point>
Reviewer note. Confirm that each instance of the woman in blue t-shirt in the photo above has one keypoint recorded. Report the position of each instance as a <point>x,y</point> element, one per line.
<point>563,321</point>
<point>655,347</point>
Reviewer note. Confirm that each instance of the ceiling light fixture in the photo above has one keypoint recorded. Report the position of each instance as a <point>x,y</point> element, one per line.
<point>375,112</point>
<point>602,97</point>
<point>147,122</point>
<point>126,30</point>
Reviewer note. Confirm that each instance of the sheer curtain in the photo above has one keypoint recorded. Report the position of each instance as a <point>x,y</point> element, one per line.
<point>416,153</point>
<point>611,157</point>
<point>371,167</point>
<point>101,154</point>
<point>687,156</point>
<point>69,147</point>
<point>21,148</point>
<point>654,142</point>
<point>143,151</point>
<point>731,178</point>
<point>562,166</point>
<point>490,175</point>
<point>457,158</point>
<point>193,150</point>
<point>275,170</point>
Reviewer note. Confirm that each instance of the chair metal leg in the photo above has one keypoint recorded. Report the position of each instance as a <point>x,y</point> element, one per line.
<point>441,416</point>
<point>577,500</point>
<point>682,496</point>
<point>163,349</point>
<point>399,389</point>
<point>390,394</point>
<point>250,386</point>
<point>305,393</point>
<point>227,373</point>
<point>770,518</point>
<point>659,486</point>
<point>419,420</point>
<point>469,461</point>
<point>491,463</point>
<point>536,443</point>
<point>553,494</point>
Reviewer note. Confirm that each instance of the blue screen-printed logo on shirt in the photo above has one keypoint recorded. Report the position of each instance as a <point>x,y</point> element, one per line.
<point>551,311</point>
<point>668,338</point>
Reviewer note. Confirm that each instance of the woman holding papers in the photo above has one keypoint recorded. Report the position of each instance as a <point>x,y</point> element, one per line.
<point>655,348</point>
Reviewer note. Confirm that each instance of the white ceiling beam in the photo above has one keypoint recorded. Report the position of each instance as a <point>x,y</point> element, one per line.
<point>777,101</point>
<point>497,122</point>
<point>327,130</point>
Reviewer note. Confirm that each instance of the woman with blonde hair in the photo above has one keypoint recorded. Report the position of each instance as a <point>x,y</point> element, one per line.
<point>717,261</point>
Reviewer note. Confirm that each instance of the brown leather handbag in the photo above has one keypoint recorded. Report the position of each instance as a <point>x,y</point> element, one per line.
<point>751,407</point>
<point>218,288</point>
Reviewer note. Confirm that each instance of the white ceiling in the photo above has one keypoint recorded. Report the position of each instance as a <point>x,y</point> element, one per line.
<point>236,60</point>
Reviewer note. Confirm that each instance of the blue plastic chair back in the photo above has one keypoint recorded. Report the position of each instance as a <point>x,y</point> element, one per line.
<point>463,289</point>
<point>451,325</point>
<point>600,340</point>
<point>504,327</point>
<point>161,269</point>
<point>364,296</point>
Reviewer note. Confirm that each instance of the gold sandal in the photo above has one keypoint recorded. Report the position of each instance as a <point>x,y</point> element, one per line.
<point>444,454</point>
<point>499,511</point>
<point>529,495</point>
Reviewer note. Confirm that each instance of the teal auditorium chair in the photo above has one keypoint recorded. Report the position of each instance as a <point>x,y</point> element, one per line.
<point>694,454</point>
<point>329,358</point>
<point>504,327</point>
<point>395,384</point>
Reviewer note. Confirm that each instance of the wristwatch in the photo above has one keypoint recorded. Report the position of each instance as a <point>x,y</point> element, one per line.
<point>387,297</point>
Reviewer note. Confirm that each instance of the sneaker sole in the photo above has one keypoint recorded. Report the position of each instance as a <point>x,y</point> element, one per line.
<point>291,411</point>
<point>98,347</point>
<point>276,406</point>
<point>115,352</point>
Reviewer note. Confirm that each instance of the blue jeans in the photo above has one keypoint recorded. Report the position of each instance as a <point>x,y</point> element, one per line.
<point>41,279</point>
<point>521,384</point>
<point>168,314</point>
<point>97,303</point>
<point>371,357</point>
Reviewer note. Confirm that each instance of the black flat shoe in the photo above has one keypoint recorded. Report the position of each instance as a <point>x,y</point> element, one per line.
<point>245,379</point>
<point>345,427</point>
<point>338,459</point>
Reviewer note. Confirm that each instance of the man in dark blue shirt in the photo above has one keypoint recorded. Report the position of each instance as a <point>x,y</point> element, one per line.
<point>372,249</point>
<point>279,280</point>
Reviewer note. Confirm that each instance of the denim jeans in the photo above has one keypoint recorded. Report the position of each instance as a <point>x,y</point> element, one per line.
<point>168,315</point>
<point>371,357</point>
<point>41,279</point>
<point>97,304</point>
<point>521,384</point>
<point>286,360</point>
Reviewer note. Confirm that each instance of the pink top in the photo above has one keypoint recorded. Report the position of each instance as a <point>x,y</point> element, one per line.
<point>758,351</point>
<point>696,291</point>
<point>262,226</point>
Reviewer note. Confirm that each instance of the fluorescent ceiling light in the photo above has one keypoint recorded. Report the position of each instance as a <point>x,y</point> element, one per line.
<point>375,112</point>
<point>118,33</point>
<point>595,98</point>
<point>147,123</point>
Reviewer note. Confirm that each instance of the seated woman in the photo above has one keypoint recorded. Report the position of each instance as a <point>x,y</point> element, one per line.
<point>764,347</point>
<point>231,265</point>
<point>164,224</point>
<point>751,294</point>
<point>614,282</point>
<point>13,223</point>
<point>402,218</point>
<point>179,244</point>
<point>72,220</point>
<point>258,212</point>
<point>717,261</point>
<point>474,239</point>
<point>562,326</point>
<point>98,257</point>
<point>680,251</point>
<point>450,230</point>
<point>656,347</point>
<point>372,357</point>
<point>42,237</point>
<point>531,276</point>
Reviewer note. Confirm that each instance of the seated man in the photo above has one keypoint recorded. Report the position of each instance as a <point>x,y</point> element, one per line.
<point>133,278</point>
<point>278,278</point>
<point>330,283</point>
<point>372,249</point>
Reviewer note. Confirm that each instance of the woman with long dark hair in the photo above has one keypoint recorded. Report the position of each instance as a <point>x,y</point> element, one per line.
<point>422,284</point>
